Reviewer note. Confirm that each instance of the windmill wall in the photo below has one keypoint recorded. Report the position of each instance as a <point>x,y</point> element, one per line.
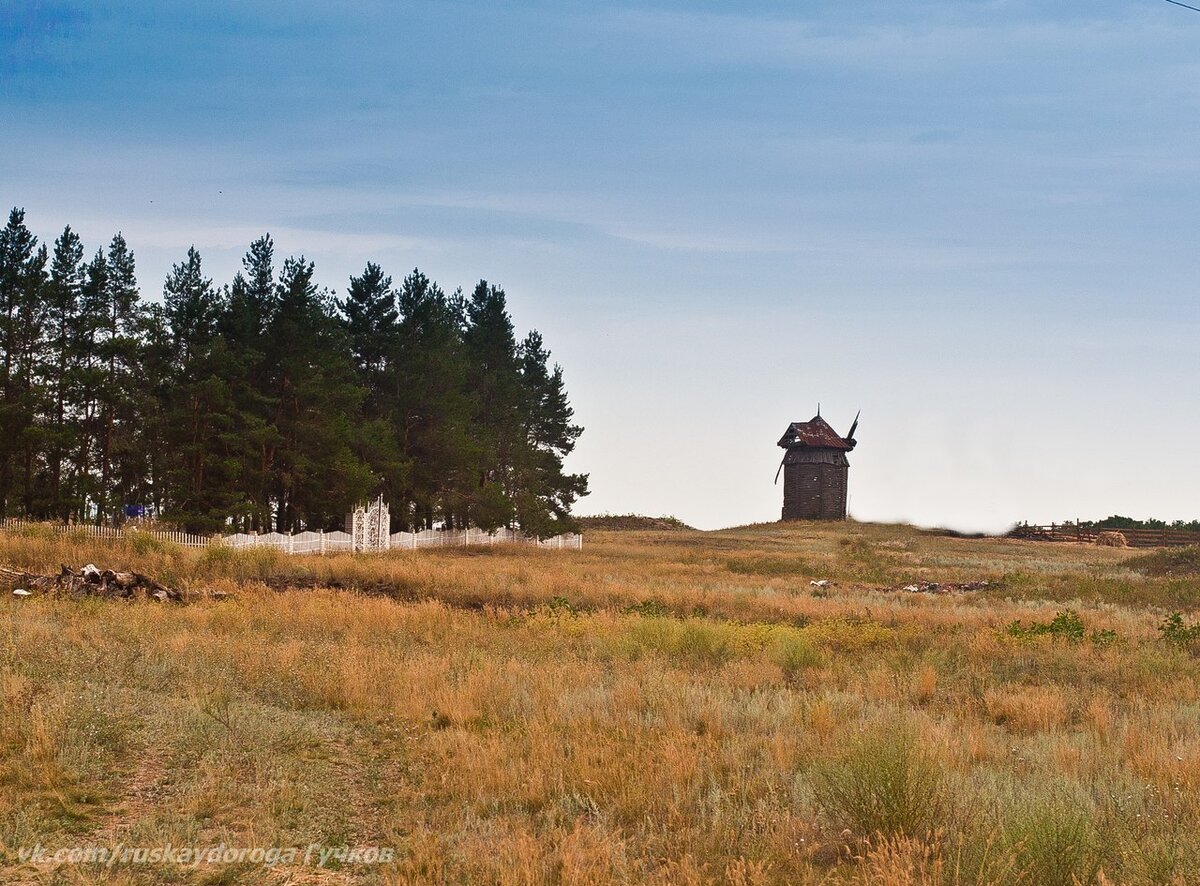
<point>814,484</point>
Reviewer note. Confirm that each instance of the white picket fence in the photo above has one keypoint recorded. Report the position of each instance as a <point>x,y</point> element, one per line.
<point>317,542</point>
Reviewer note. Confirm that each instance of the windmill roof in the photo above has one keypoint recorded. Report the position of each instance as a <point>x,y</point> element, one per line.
<point>815,433</point>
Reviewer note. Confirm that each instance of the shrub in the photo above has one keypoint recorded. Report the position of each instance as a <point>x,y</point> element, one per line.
<point>216,558</point>
<point>1174,631</point>
<point>704,642</point>
<point>1055,843</point>
<point>850,635</point>
<point>794,654</point>
<point>142,543</point>
<point>1066,625</point>
<point>695,640</point>
<point>885,783</point>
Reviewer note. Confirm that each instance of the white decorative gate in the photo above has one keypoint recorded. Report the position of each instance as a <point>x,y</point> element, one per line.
<point>371,527</point>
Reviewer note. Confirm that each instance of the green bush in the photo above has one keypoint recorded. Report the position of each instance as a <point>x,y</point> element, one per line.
<point>884,783</point>
<point>559,603</point>
<point>1066,625</point>
<point>1174,631</point>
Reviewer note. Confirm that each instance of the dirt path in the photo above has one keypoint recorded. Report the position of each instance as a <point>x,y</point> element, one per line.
<point>144,792</point>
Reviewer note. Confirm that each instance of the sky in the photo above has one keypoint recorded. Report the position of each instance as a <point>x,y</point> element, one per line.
<point>974,220</point>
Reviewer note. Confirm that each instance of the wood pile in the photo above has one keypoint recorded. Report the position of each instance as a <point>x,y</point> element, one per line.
<point>89,581</point>
<point>934,587</point>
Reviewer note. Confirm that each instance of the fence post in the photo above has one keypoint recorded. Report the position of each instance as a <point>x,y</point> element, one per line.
<point>321,541</point>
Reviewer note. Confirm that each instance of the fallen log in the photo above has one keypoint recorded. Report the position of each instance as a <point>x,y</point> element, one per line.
<point>89,581</point>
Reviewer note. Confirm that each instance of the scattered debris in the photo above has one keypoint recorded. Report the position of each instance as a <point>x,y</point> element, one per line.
<point>1110,538</point>
<point>90,581</point>
<point>934,587</point>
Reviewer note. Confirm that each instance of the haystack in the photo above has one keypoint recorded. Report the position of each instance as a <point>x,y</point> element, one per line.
<point>1110,538</point>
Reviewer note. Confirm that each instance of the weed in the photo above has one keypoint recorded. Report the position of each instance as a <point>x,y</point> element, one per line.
<point>782,567</point>
<point>851,634</point>
<point>560,604</point>
<point>794,653</point>
<point>1056,843</point>
<point>650,609</point>
<point>142,543</point>
<point>885,783</point>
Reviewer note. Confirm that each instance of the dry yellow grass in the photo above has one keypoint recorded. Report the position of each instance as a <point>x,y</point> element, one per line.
<point>677,707</point>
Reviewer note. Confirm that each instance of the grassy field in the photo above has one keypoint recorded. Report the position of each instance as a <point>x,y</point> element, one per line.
<point>662,707</point>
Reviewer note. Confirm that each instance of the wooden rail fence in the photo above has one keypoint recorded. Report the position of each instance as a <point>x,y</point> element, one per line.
<point>1137,538</point>
<point>310,542</point>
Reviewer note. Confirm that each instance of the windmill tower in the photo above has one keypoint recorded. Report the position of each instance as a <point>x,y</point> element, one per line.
<point>815,470</point>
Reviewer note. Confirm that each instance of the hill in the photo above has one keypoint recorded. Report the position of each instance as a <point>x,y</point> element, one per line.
<point>770,704</point>
<point>631,523</point>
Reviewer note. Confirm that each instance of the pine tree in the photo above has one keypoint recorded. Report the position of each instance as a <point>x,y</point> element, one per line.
<point>87,386</point>
<point>433,408</point>
<point>199,416</point>
<point>370,311</point>
<point>315,474</point>
<point>121,465</point>
<point>22,313</point>
<point>546,494</point>
<point>155,397</point>
<point>260,405</point>
<point>63,295</point>
<point>242,327</point>
<point>495,377</point>
<point>193,307</point>
<point>370,319</point>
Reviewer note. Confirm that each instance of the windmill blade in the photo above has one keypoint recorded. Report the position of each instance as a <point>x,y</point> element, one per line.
<point>780,468</point>
<point>854,427</point>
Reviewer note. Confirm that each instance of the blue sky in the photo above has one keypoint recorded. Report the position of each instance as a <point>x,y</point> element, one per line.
<point>975,221</point>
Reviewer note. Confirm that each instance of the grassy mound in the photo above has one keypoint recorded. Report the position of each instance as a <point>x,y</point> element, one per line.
<point>631,523</point>
<point>1168,561</point>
